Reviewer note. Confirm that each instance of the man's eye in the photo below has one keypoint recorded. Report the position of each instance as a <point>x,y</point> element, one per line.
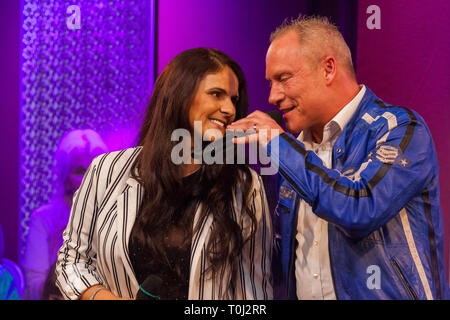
<point>284,77</point>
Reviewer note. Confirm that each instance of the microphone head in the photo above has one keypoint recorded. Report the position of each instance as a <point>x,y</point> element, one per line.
<point>275,115</point>
<point>150,288</point>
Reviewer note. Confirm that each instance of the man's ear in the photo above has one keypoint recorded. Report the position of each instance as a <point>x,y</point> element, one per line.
<point>329,69</point>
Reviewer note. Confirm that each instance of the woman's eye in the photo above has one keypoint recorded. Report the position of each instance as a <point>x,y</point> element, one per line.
<point>215,94</point>
<point>234,100</point>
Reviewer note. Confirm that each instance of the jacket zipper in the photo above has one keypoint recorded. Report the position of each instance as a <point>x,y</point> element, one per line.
<point>403,279</point>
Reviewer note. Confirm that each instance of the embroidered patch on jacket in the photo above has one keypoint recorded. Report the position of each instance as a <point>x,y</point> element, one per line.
<point>391,154</point>
<point>347,171</point>
<point>387,154</point>
<point>354,173</point>
<point>286,193</point>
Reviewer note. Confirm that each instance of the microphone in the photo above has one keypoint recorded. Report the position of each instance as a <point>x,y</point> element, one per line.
<point>221,144</point>
<point>276,115</point>
<point>149,288</point>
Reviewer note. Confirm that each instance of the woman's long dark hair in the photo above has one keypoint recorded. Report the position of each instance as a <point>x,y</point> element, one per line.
<point>168,110</point>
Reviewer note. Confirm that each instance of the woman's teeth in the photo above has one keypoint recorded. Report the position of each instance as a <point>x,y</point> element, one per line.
<point>218,122</point>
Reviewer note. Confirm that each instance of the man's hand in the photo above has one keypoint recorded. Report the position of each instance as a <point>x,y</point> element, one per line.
<point>266,128</point>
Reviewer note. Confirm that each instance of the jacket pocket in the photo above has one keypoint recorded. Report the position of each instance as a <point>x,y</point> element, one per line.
<point>405,282</point>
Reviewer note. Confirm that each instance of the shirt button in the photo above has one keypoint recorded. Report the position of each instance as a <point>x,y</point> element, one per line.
<point>338,150</point>
<point>316,276</point>
<point>71,293</point>
<point>323,148</point>
<point>316,242</point>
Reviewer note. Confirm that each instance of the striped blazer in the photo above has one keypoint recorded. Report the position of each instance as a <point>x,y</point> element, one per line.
<point>95,247</point>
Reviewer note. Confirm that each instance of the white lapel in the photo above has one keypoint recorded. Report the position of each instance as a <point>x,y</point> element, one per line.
<point>198,241</point>
<point>128,204</point>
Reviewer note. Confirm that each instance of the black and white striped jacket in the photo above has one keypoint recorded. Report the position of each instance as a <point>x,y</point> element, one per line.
<point>95,248</point>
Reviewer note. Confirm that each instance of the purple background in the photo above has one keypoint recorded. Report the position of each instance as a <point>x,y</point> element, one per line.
<point>241,29</point>
<point>97,77</point>
<point>9,124</point>
<point>406,62</point>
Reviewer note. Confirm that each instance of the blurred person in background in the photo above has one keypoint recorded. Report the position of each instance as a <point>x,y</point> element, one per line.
<point>75,152</point>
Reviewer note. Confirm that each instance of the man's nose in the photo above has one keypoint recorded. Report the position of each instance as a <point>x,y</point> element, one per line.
<point>276,95</point>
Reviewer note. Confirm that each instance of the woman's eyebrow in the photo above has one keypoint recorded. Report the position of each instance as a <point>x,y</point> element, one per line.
<point>217,89</point>
<point>221,90</point>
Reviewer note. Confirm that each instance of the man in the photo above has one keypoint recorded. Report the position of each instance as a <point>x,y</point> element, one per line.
<point>358,208</point>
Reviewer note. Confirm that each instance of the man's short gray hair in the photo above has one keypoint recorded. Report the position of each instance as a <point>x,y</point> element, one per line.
<point>318,38</point>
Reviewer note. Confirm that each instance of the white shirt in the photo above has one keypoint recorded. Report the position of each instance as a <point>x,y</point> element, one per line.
<point>312,264</point>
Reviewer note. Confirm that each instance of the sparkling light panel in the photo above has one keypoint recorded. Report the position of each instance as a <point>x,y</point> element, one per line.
<point>84,64</point>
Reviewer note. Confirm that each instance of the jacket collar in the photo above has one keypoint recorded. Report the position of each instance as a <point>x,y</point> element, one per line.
<point>363,107</point>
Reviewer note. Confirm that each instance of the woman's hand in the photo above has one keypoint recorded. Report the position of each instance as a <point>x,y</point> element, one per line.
<point>101,294</point>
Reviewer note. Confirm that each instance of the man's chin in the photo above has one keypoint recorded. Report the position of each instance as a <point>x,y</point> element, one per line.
<point>294,130</point>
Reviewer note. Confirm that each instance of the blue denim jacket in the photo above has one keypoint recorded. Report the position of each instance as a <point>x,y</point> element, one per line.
<point>381,200</point>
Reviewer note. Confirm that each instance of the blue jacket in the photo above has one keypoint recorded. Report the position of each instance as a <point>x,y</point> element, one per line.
<point>8,290</point>
<point>381,201</point>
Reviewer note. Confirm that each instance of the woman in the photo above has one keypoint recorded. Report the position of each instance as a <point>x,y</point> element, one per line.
<point>203,230</point>
<point>75,152</point>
